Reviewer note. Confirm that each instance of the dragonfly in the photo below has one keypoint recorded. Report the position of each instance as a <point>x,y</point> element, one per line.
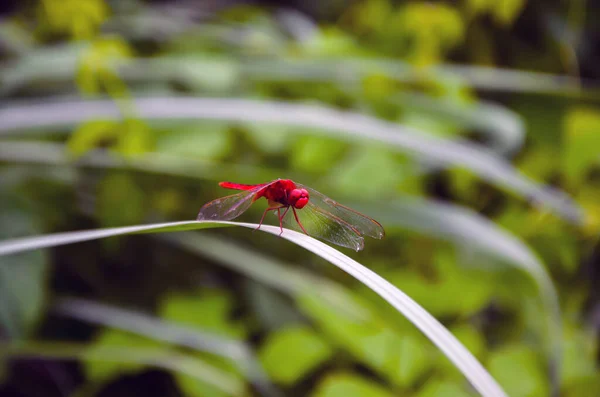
<point>312,213</point>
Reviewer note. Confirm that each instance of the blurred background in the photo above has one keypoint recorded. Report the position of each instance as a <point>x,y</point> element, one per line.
<point>470,129</point>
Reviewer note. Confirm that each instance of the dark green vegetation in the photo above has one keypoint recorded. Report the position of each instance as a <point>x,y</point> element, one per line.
<point>470,130</point>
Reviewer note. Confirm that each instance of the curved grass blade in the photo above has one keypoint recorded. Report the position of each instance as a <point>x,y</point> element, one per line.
<point>59,64</point>
<point>440,336</point>
<point>505,128</point>
<point>479,77</point>
<point>346,125</point>
<point>173,361</point>
<point>463,226</point>
<point>157,329</point>
<point>52,240</point>
<point>432,218</point>
<point>56,154</point>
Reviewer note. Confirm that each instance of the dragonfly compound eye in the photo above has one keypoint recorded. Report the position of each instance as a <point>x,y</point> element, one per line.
<point>298,198</point>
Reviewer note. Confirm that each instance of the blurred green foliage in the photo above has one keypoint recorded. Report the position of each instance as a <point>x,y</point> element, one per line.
<point>77,19</point>
<point>290,353</point>
<point>393,60</point>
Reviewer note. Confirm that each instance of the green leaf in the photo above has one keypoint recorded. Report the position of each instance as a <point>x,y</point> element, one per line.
<point>209,311</point>
<point>582,143</point>
<point>506,11</point>
<point>196,388</point>
<point>349,385</point>
<point>580,352</point>
<point>517,368</point>
<point>291,353</point>
<point>90,134</point>
<point>80,18</point>
<point>432,28</point>
<point>98,63</point>
<point>135,138</point>
<point>415,355</point>
<point>453,291</point>
<point>588,198</point>
<point>370,16</point>
<point>129,138</point>
<point>586,386</point>
<point>443,389</point>
<point>400,358</point>
<point>100,370</point>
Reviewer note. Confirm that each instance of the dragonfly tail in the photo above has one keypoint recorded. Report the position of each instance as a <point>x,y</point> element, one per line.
<point>237,186</point>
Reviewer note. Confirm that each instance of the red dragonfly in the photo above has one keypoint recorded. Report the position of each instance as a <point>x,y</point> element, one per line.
<point>314,213</point>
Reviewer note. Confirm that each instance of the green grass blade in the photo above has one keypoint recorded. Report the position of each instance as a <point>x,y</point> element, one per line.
<point>432,218</point>
<point>177,362</point>
<point>344,125</point>
<point>504,128</point>
<point>58,64</point>
<point>465,227</point>
<point>158,329</point>
<point>437,333</point>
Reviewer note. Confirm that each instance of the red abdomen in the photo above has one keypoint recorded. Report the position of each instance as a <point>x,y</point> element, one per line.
<point>239,186</point>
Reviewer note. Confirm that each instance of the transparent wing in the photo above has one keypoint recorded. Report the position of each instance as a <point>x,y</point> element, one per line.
<point>324,225</point>
<point>361,223</point>
<point>228,207</point>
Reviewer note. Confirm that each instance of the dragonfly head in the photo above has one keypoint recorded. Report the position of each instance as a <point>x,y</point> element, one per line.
<point>298,198</point>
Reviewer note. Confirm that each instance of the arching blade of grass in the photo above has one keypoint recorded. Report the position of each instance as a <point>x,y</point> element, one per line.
<point>160,358</point>
<point>503,127</point>
<point>463,226</point>
<point>432,218</point>
<point>157,329</point>
<point>56,154</point>
<point>479,77</point>
<point>344,125</point>
<point>58,64</point>
<point>445,221</point>
<point>440,336</point>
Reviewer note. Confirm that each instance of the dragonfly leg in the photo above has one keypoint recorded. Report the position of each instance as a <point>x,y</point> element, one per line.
<point>298,220</point>
<point>263,216</point>
<point>281,219</point>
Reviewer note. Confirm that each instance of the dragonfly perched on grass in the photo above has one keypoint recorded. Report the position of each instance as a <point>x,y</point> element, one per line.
<point>311,212</point>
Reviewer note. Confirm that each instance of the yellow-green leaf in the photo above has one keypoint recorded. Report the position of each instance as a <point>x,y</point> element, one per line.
<point>208,311</point>
<point>349,385</point>
<point>99,370</point>
<point>519,371</point>
<point>290,353</point>
<point>91,134</point>
<point>582,142</point>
